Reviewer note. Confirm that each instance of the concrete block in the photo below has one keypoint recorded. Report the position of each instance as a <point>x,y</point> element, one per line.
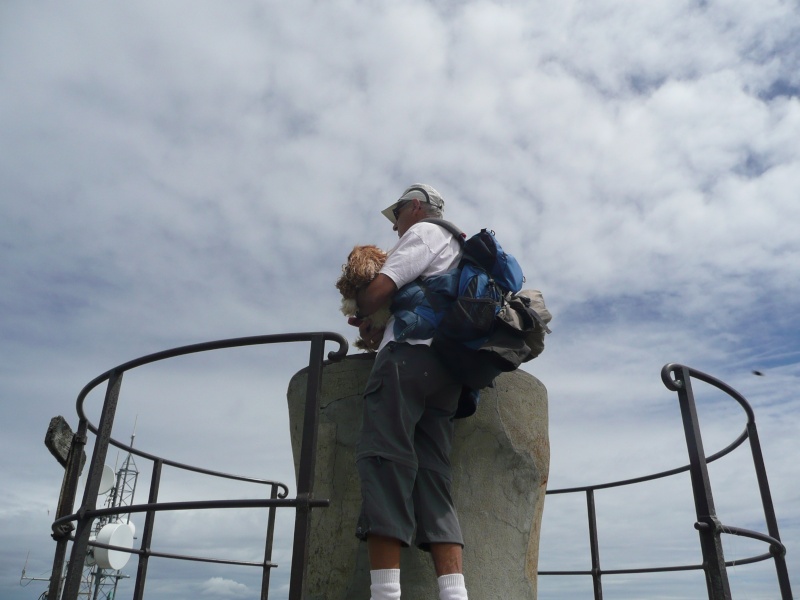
<point>501,458</point>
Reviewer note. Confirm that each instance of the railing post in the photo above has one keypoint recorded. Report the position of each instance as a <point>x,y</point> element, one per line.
<point>769,511</point>
<point>265,576</point>
<point>84,526</point>
<point>66,502</point>
<point>594,545</point>
<point>707,524</point>
<point>147,533</point>
<point>306,471</point>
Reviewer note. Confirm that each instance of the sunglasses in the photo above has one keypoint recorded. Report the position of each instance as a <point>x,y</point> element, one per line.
<point>396,210</point>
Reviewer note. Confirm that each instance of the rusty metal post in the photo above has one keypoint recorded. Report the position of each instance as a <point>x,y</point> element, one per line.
<point>707,524</point>
<point>769,511</point>
<point>84,527</point>
<point>147,534</point>
<point>305,477</point>
<point>267,570</point>
<point>594,546</point>
<point>66,502</point>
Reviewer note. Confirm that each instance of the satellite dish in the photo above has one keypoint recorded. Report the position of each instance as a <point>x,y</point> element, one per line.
<point>106,480</point>
<point>114,534</point>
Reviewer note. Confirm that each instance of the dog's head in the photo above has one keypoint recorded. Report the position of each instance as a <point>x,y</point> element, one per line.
<point>363,264</point>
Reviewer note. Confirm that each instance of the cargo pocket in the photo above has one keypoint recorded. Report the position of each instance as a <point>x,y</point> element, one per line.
<point>369,418</point>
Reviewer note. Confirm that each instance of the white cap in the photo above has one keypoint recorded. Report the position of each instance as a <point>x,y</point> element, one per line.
<point>418,191</point>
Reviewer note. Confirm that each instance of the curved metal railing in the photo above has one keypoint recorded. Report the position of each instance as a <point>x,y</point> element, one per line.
<point>677,378</point>
<point>80,522</point>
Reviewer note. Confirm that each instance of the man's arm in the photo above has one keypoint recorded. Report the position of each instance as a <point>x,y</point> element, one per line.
<point>378,293</point>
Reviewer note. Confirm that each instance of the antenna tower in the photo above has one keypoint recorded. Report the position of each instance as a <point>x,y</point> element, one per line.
<point>99,582</point>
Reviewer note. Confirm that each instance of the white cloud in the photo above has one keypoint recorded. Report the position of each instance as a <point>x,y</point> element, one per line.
<point>189,171</point>
<point>219,587</point>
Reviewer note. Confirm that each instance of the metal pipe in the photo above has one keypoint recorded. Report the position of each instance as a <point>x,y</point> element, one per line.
<point>710,544</point>
<point>306,470</point>
<point>594,546</point>
<point>84,525</point>
<point>268,566</point>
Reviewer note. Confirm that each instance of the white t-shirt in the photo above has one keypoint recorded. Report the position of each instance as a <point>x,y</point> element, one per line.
<point>424,250</point>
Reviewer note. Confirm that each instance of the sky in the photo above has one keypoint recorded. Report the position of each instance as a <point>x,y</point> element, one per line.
<point>185,171</point>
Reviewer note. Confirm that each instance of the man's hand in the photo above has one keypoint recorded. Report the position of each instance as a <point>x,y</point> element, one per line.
<point>371,336</point>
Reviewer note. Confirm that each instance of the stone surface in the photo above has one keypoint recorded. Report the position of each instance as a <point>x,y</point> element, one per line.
<point>501,457</point>
<point>58,440</point>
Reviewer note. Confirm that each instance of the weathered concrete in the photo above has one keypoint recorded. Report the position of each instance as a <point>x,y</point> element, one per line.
<point>58,440</point>
<point>501,458</point>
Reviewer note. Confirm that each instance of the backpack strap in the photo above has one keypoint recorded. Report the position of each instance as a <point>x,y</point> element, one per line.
<point>452,228</point>
<point>466,257</point>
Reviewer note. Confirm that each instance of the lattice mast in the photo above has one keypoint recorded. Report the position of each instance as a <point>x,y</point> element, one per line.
<point>98,583</point>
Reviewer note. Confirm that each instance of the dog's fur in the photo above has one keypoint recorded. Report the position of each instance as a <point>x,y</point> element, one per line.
<point>363,264</point>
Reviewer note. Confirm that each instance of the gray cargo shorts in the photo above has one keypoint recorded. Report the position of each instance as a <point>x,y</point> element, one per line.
<point>403,455</point>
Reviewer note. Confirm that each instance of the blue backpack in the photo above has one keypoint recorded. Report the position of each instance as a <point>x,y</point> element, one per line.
<point>477,330</point>
<point>487,275</point>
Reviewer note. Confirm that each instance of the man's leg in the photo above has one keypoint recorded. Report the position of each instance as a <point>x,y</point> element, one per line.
<point>386,516</point>
<point>384,567</point>
<point>394,400</point>
<point>447,562</point>
<point>438,529</point>
<point>446,558</point>
<point>384,552</point>
<point>402,382</point>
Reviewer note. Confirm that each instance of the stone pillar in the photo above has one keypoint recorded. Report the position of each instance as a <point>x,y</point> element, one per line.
<point>501,458</point>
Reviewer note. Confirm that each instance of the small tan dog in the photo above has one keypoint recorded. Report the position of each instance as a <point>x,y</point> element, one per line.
<point>362,266</point>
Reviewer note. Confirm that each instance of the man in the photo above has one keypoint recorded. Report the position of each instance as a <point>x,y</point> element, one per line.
<point>403,455</point>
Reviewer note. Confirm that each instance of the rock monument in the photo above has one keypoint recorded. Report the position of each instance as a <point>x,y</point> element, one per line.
<point>501,458</point>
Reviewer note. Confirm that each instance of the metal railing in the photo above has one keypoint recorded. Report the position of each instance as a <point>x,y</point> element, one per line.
<point>76,527</point>
<point>678,378</point>
<point>65,583</point>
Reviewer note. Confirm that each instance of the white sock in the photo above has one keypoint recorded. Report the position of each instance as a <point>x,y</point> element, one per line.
<point>385,584</point>
<point>451,587</point>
